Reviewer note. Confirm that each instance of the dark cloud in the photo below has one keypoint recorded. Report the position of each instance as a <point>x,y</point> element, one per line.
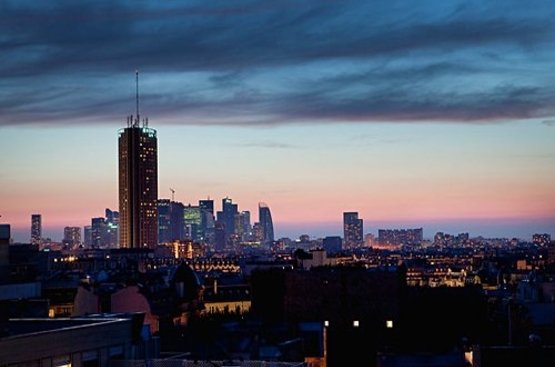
<point>406,61</point>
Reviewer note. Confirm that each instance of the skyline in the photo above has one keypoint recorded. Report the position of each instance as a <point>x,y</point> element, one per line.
<point>439,116</point>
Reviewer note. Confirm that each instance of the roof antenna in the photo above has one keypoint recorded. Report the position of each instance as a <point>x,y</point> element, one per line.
<point>137,96</point>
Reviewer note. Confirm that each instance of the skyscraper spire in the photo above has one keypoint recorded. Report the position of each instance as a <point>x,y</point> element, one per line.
<point>137,97</point>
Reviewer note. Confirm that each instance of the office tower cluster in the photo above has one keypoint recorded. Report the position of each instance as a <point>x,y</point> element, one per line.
<point>145,221</point>
<point>229,227</point>
<point>103,232</point>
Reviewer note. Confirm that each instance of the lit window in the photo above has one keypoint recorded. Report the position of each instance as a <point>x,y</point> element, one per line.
<point>356,323</point>
<point>389,324</point>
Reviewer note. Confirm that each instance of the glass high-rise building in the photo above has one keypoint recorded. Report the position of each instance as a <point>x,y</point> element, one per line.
<point>265,220</point>
<point>36,229</point>
<point>227,216</point>
<point>192,218</point>
<point>138,184</point>
<point>352,230</point>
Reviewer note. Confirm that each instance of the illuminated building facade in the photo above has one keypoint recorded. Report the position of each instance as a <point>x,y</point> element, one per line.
<point>36,229</point>
<point>207,219</point>
<point>138,184</point>
<point>400,236</point>
<point>541,239</point>
<point>72,236</point>
<point>193,222</point>
<point>352,229</point>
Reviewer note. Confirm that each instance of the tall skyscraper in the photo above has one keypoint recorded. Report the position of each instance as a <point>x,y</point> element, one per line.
<point>87,236</point>
<point>98,232</point>
<point>36,229</point>
<point>352,229</point>
<point>227,216</point>
<point>192,219</point>
<point>246,227</point>
<point>138,183</point>
<point>72,236</point>
<point>265,220</point>
<point>112,228</point>
<point>207,219</point>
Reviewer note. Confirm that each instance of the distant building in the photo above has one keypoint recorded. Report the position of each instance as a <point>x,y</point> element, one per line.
<point>87,236</point>
<point>138,184</point>
<point>4,252</point>
<point>541,239</point>
<point>72,236</point>
<point>369,240</point>
<point>332,244</point>
<point>220,236</point>
<point>112,224</point>
<point>36,229</point>
<point>257,232</point>
<point>207,219</point>
<point>171,225</point>
<point>551,253</point>
<point>400,236</point>
<point>227,216</point>
<point>192,220</point>
<point>245,225</point>
<point>352,230</point>
<point>265,220</point>
<point>98,232</point>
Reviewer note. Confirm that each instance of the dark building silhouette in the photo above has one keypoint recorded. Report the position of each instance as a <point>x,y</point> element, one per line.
<point>352,229</point>
<point>265,220</point>
<point>207,219</point>
<point>207,205</point>
<point>4,252</point>
<point>87,236</point>
<point>138,183</point>
<point>220,236</point>
<point>355,305</point>
<point>227,216</point>
<point>171,225</point>
<point>36,229</point>
<point>332,244</point>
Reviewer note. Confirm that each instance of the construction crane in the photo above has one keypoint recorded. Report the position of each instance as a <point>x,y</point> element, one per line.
<point>173,193</point>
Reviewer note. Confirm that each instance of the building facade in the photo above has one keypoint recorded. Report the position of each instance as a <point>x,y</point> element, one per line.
<point>36,229</point>
<point>265,220</point>
<point>352,230</point>
<point>72,236</point>
<point>138,185</point>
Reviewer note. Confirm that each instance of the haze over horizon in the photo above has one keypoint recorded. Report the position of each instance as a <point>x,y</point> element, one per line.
<point>439,115</point>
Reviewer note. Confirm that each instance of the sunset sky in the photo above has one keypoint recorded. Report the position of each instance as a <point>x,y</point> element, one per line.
<point>434,114</point>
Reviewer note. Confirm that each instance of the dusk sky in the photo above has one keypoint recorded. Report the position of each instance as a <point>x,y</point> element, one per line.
<point>434,114</point>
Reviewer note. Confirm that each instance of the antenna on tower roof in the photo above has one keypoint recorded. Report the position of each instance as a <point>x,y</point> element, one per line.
<point>137,118</point>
